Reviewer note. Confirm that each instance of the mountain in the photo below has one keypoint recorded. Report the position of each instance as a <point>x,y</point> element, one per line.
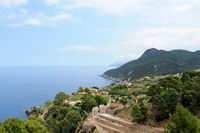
<point>157,62</point>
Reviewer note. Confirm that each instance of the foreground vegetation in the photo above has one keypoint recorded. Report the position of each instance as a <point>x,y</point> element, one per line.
<point>173,90</point>
<point>183,122</point>
<point>30,125</point>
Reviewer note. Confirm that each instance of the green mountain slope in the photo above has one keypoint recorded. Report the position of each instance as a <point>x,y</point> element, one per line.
<point>157,62</point>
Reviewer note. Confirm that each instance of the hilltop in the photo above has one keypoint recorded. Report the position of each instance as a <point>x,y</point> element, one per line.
<point>154,62</point>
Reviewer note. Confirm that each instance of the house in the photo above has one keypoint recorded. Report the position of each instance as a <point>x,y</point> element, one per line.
<point>93,90</point>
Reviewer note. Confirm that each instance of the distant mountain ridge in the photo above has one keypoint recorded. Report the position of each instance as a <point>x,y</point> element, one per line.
<point>157,62</point>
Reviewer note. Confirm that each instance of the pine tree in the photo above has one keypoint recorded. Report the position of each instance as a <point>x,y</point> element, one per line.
<point>183,122</point>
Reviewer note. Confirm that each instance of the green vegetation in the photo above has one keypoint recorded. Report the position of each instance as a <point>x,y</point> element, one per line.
<point>139,91</point>
<point>106,99</point>
<point>60,98</point>
<point>183,122</point>
<point>101,100</point>
<point>89,101</point>
<point>157,62</point>
<point>61,118</point>
<point>118,89</point>
<point>30,125</point>
<point>166,95</point>
<point>77,97</point>
<point>48,103</point>
<point>191,90</point>
<point>124,100</point>
<point>139,112</point>
<point>171,90</point>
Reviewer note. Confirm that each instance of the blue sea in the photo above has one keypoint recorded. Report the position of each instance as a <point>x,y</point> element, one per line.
<point>24,86</point>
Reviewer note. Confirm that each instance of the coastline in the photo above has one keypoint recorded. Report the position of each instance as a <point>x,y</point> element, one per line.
<point>117,80</point>
<point>35,82</point>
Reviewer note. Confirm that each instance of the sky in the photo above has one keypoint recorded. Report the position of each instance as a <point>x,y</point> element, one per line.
<point>94,32</point>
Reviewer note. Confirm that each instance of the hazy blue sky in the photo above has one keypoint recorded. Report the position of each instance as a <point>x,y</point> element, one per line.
<point>94,32</point>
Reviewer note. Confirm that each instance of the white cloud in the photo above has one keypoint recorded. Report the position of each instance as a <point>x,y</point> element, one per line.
<point>174,12</point>
<point>12,3</point>
<point>138,7</point>
<point>33,21</point>
<point>15,13</point>
<point>60,17</point>
<point>114,7</point>
<point>80,48</point>
<point>182,8</point>
<point>43,20</point>
<point>52,2</point>
<point>160,38</point>
<point>165,38</point>
<point>140,40</point>
<point>27,22</point>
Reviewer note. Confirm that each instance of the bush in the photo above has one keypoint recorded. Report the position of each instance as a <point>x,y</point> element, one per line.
<point>63,119</point>
<point>124,100</point>
<point>139,91</point>
<point>60,98</point>
<point>165,95</point>
<point>171,90</point>
<point>31,125</point>
<point>100,100</point>
<point>139,112</point>
<point>88,102</point>
<point>183,122</point>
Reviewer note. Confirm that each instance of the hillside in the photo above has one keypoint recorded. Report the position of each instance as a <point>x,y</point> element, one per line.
<point>157,62</point>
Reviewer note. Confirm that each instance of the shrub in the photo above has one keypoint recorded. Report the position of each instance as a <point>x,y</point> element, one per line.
<point>139,112</point>
<point>183,122</point>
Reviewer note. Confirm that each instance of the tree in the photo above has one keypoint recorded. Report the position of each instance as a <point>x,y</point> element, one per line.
<point>14,125</point>
<point>139,112</point>
<point>60,98</point>
<point>2,129</point>
<point>166,102</point>
<point>81,89</point>
<point>49,103</point>
<point>63,119</point>
<point>88,102</point>
<point>165,95</point>
<point>100,100</point>
<point>191,91</point>
<point>87,90</point>
<point>183,122</point>
<point>34,125</point>
<point>124,100</point>
<point>70,122</point>
<point>30,125</point>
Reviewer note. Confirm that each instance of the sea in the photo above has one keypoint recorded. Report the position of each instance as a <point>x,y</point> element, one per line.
<point>22,87</point>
